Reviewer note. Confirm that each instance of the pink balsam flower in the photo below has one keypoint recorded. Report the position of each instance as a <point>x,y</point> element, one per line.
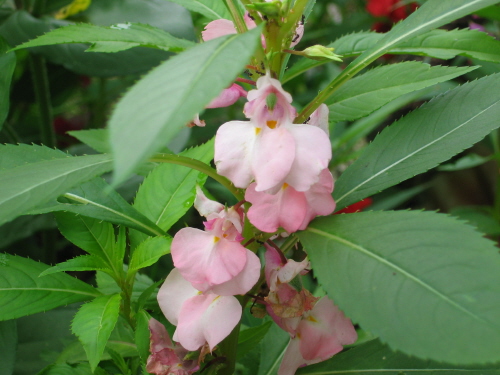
<point>321,333</point>
<point>228,97</point>
<point>167,358</point>
<point>200,317</point>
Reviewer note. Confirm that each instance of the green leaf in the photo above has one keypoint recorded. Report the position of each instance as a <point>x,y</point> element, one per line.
<point>168,191</point>
<point>12,156</point>
<point>98,139</point>
<point>25,187</point>
<point>428,136</point>
<point>65,369</point>
<point>142,334</point>
<point>273,348</point>
<point>251,337</point>
<point>22,292</point>
<point>8,344</point>
<point>24,226</point>
<point>127,34</point>
<point>482,217</point>
<point>170,96</point>
<point>370,91</point>
<point>81,263</point>
<point>94,236</point>
<point>212,9</point>
<point>93,324</point>
<point>106,285</point>
<point>7,65</point>
<point>423,282</point>
<point>466,162</point>
<point>149,251</point>
<point>440,44</point>
<point>375,358</point>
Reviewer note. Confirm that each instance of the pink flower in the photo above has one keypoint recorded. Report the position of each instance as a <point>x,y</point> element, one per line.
<point>290,209</point>
<point>270,149</point>
<point>167,358</point>
<point>228,97</point>
<point>223,27</point>
<point>200,317</point>
<point>321,333</point>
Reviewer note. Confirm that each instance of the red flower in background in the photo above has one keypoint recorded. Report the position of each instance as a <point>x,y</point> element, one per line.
<point>390,9</point>
<point>356,207</point>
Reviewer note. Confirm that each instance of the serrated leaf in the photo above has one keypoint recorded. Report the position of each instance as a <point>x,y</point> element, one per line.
<point>128,34</point>
<point>376,358</point>
<point>212,9</point>
<point>251,337</point>
<point>425,283</point>
<point>482,217</point>
<point>12,156</point>
<point>370,91</point>
<point>22,292</point>
<point>168,191</point>
<point>7,65</point>
<point>94,236</point>
<point>81,263</point>
<point>94,323</point>
<point>440,44</point>
<point>8,344</point>
<point>170,96</point>
<point>149,251</point>
<point>25,187</point>
<point>106,284</point>
<point>98,139</point>
<point>426,137</point>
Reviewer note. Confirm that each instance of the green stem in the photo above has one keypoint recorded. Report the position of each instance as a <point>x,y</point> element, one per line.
<point>199,166</point>
<point>238,20</point>
<point>42,94</point>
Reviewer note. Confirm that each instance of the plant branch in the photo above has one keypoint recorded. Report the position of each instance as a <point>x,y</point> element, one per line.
<point>238,20</point>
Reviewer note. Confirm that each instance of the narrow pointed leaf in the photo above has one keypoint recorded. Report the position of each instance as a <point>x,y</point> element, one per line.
<point>170,96</point>
<point>370,91</point>
<point>212,9</point>
<point>81,263</point>
<point>25,187</point>
<point>7,65</point>
<point>149,251</point>
<point>272,349</point>
<point>426,137</point>
<point>22,292</point>
<point>376,358</point>
<point>127,34</point>
<point>93,324</point>
<point>251,337</point>
<point>98,139</point>
<point>423,282</point>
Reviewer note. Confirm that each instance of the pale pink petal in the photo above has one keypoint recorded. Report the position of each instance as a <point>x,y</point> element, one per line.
<point>234,144</point>
<point>292,359</point>
<point>218,28</point>
<point>319,118</point>
<point>160,338</point>
<point>319,198</point>
<point>299,33</point>
<point>204,258</point>
<point>312,154</point>
<point>207,318</point>
<point>228,97</point>
<point>273,157</point>
<point>273,264</point>
<point>324,330</point>
<point>291,270</point>
<point>196,122</point>
<point>204,205</point>
<point>172,295</point>
<point>244,281</point>
<point>286,209</point>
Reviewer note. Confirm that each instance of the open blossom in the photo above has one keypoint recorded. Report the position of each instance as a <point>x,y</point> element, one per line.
<point>200,317</point>
<point>269,149</point>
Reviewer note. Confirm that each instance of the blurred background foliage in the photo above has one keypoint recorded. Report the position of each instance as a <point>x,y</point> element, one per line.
<point>84,86</point>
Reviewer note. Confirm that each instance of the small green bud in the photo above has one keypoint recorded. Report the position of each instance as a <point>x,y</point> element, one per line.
<point>320,53</point>
<point>272,9</point>
<point>271,100</point>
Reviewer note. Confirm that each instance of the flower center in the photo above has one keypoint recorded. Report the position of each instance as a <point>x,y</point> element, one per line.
<point>271,123</point>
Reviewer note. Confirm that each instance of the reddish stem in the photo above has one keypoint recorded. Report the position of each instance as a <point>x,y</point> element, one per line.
<point>244,80</point>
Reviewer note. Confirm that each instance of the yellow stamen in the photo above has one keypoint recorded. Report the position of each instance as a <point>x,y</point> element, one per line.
<point>216,239</point>
<point>271,123</point>
<point>285,185</point>
<point>312,319</point>
<point>257,131</point>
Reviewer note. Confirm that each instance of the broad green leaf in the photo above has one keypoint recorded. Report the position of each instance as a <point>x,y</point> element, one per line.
<point>65,369</point>
<point>492,13</point>
<point>94,236</point>
<point>375,358</point>
<point>25,187</point>
<point>423,282</point>
<point>429,16</point>
<point>93,324</point>
<point>212,9</point>
<point>7,65</point>
<point>129,35</point>
<point>370,91</point>
<point>482,217</point>
<point>98,139</point>
<point>22,292</point>
<point>466,162</point>
<point>273,348</point>
<point>168,191</point>
<point>149,251</point>
<point>170,96</point>
<point>426,137</point>
<point>251,337</point>
<point>12,156</point>
<point>81,263</point>
<point>441,44</point>
<point>8,344</point>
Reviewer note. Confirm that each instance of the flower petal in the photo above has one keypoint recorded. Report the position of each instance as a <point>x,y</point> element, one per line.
<point>228,97</point>
<point>218,28</point>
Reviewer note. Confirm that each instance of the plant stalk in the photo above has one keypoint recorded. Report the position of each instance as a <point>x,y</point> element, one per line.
<point>238,20</point>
